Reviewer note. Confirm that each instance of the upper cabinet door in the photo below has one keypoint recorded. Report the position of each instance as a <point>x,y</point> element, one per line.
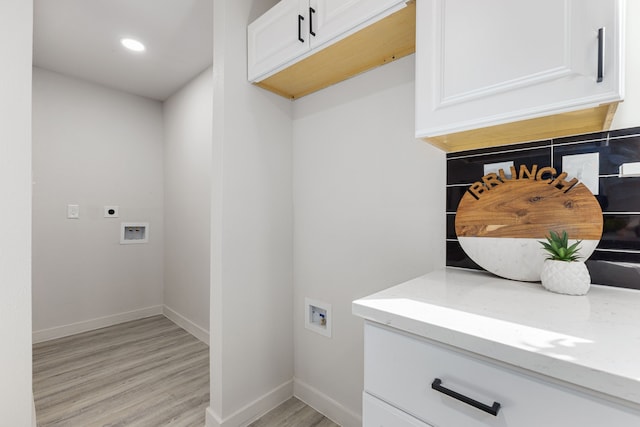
<point>278,36</point>
<point>490,62</point>
<point>332,18</point>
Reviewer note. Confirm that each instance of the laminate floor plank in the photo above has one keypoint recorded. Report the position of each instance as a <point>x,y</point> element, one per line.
<point>293,413</point>
<point>144,373</point>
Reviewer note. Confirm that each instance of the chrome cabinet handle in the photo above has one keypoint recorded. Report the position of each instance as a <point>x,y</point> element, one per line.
<point>300,19</point>
<point>493,409</point>
<point>600,55</point>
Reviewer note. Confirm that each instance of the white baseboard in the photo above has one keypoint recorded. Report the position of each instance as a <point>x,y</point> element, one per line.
<point>322,403</point>
<point>186,324</point>
<point>252,411</point>
<point>91,324</point>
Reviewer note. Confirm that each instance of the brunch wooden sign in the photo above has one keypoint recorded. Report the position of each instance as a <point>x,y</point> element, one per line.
<point>501,218</point>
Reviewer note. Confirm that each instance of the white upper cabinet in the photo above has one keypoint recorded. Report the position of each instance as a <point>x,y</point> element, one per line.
<point>491,62</point>
<point>278,36</point>
<point>295,29</point>
<point>335,17</point>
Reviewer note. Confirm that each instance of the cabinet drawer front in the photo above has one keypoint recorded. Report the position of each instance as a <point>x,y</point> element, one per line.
<point>400,369</point>
<point>377,413</point>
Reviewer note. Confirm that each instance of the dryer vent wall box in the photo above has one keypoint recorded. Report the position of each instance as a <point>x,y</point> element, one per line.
<point>134,232</point>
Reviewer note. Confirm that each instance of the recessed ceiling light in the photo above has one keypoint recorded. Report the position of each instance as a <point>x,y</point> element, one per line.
<point>133,45</point>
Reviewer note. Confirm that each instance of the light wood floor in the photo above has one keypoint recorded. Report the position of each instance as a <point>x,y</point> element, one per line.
<point>293,413</point>
<point>145,373</point>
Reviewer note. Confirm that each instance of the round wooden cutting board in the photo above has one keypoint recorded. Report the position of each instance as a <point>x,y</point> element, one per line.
<point>499,225</point>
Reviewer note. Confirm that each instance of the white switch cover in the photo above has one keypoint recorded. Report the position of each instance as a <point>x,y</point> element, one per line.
<point>629,169</point>
<point>585,167</point>
<point>73,211</point>
<point>495,167</point>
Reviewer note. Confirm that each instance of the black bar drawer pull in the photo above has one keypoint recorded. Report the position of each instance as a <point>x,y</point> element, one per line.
<point>300,19</point>
<point>600,55</point>
<point>311,12</point>
<point>493,410</point>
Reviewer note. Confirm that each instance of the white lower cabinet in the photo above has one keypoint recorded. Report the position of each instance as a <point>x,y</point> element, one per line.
<point>376,413</point>
<point>400,370</point>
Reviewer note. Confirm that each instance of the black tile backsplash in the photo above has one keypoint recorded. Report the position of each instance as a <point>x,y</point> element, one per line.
<point>616,262</point>
<point>624,132</point>
<point>619,194</point>
<point>614,274</point>
<point>612,153</point>
<point>466,170</point>
<point>456,257</point>
<point>451,226</point>
<point>454,194</point>
<point>617,256</point>
<point>502,148</point>
<point>620,231</point>
<point>587,137</point>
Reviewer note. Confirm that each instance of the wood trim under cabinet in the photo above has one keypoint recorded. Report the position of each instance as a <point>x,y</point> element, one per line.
<point>571,123</point>
<point>385,41</point>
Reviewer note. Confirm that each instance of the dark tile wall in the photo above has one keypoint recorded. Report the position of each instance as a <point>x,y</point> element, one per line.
<point>616,261</point>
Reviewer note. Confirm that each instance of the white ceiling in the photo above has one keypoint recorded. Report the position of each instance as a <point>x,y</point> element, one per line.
<point>81,38</point>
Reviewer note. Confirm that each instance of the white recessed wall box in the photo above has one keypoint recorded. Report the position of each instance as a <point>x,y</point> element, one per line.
<point>134,232</point>
<point>317,316</point>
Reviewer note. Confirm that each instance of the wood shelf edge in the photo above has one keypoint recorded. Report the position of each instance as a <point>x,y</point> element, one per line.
<point>578,122</point>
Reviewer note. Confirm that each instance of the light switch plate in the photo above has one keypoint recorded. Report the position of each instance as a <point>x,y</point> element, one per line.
<point>73,211</point>
<point>629,169</point>
<point>495,167</point>
<point>585,167</point>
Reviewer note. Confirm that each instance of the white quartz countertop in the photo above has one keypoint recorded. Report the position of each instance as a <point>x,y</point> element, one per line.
<point>592,341</point>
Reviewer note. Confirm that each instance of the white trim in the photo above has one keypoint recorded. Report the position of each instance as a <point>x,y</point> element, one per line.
<point>620,213</point>
<point>324,404</point>
<point>91,324</point>
<point>623,136</point>
<point>581,141</point>
<point>186,324</point>
<point>254,410</point>
<point>624,251</point>
<point>544,143</point>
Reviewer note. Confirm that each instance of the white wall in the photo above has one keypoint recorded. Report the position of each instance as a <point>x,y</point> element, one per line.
<point>187,198</point>
<point>15,236</point>
<point>368,214</point>
<point>251,292</point>
<point>93,146</point>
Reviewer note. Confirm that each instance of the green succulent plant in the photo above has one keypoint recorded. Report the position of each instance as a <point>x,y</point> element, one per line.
<point>559,249</point>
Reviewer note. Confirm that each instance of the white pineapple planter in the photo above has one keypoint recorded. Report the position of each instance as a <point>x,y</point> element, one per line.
<point>563,277</point>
